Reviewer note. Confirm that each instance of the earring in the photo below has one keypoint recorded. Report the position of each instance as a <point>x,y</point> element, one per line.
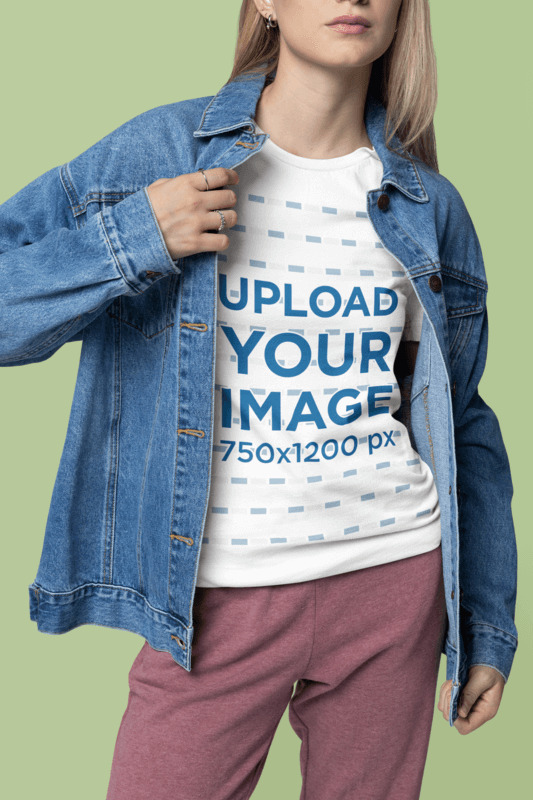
<point>269,23</point>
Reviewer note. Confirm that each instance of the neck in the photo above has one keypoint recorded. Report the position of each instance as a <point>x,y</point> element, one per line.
<point>315,112</point>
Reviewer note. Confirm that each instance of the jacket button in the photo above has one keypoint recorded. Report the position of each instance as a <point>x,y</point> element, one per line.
<point>383,202</point>
<point>450,490</point>
<point>453,594</point>
<point>461,594</point>
<point>435,283</point>
<point>454,388</point>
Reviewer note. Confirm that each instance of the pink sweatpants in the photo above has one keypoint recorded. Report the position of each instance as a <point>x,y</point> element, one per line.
<point>362,647</point>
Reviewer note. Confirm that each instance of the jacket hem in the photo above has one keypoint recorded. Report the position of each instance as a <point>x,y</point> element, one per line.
<point>112,607</point>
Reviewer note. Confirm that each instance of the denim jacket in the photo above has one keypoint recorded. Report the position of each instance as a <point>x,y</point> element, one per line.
<point>83,259</point>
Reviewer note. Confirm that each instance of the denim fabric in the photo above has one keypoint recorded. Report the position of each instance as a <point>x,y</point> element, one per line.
<point>83,259</point>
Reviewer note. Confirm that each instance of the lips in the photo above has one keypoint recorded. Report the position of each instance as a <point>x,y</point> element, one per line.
<point>350,21</point>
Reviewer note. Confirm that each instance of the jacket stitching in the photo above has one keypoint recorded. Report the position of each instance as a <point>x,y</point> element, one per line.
<point>426,407</point>
<point>496,628</point>
<point>146,335</point>
<point>464,276</point>
<point>109,586</point>
<point>113,467</point>
<point>139,536</point>
<point>68,185</point>
<point>96,197</point>
<point>177,453</point>
<point>418,246</point>
<point>108,240</point>
<point>457,332</point>
<point>161,237</point>
<point>215,302</point>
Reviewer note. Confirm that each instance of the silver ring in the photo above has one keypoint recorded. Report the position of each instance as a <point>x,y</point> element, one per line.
<point>223,225</point>
<point>203,173</point>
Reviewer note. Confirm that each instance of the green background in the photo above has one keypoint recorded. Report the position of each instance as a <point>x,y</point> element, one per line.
<point>73,72</point>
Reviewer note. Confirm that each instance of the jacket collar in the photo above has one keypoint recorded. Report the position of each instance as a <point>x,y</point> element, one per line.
<point>234,106</point>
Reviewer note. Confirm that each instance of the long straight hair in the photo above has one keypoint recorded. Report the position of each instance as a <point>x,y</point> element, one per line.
<point>403,79</point>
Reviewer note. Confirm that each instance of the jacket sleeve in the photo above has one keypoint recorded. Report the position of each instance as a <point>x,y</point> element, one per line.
<point>487,544</point>
<point>56,278</point>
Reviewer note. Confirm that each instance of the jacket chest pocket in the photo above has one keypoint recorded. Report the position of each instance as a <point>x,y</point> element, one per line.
<point>150,312</point>
<point>464,298</point>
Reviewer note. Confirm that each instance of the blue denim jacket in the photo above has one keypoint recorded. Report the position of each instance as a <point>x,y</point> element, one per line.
<point>83,259</point>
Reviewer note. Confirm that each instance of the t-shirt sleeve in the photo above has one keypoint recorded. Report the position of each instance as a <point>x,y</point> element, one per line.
<point>414,314</point>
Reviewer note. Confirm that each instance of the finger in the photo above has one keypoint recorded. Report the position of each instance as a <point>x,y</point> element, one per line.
<point>471,723</point>
<point>445,691</point>
<point>213,241</point>
<point>216,178</point>
<point>213,220</point>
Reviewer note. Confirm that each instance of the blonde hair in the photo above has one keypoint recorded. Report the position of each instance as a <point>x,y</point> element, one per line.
<point>403,79</point>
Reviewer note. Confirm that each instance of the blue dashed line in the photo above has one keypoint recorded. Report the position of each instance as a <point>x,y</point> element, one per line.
<point>369,496</point>
<point>403,487</point>
<point>389,521</point>
<point>353,529</point>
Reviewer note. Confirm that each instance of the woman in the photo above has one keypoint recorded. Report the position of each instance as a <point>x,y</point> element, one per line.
<point>345,433</point>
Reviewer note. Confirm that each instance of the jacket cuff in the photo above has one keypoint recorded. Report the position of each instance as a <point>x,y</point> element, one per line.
<point>490,647</point>
<point>136,241</point>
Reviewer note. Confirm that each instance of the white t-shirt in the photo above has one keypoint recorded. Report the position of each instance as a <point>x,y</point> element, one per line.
<point>311,474</point>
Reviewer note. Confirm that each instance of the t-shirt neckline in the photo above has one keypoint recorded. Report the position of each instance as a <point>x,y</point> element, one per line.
<point>324,164</point>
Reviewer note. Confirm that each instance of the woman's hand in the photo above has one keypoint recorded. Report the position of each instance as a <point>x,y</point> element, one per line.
<point>481,696</point>
<point>185,210</point>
